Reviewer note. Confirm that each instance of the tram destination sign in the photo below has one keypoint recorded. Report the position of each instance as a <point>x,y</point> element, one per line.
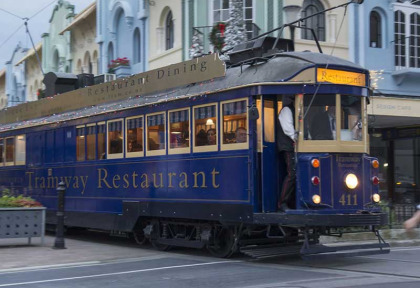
<point>192,71</point>
<point>340,77</point>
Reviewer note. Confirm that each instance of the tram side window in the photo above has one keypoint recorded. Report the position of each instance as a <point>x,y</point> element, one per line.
<point>80,143</point>
<point>101,141</point>
<point>115,138</point>
<point>156,133</point>
<point>205,127</point>
<point>1,152</point>
<point>20,150</point>
<point>134,136</point>
<point>10,151</point>
<point>234,116</point>
<point>320,119</point>
<point>91,142</point>
<point>351,121</point>
<point>179,130</point>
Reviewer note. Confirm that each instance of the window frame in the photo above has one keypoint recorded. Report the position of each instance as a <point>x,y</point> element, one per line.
<point>375,18</point>
<point>114,155</point>
<point>307,34</point>
<point>179,150</point>
<point>206,148</point>
<point>139,153</point>
<point>159,152</point>
<point>3,153</point>
<point>10,163</point>
<point>96,142</point>
<point>99,157</point>
<point>234,146</point>
<point>16,151</point>
<point>78,127</point>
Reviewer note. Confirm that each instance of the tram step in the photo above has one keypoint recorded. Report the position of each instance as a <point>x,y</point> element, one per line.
<point>182,243</point>
<point>323,251</point>
<point>267,251</point>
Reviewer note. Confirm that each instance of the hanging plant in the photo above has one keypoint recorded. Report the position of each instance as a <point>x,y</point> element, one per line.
<point>217,35</point>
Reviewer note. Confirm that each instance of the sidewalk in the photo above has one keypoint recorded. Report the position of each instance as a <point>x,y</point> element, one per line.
<point>16,254</point>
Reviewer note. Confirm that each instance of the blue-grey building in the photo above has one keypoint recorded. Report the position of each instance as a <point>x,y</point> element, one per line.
<point>15,77</point>
<point>385,38</point>
<point>121,33</point>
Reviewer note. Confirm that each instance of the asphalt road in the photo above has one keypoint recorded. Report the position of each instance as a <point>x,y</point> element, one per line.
<point>191,268</point>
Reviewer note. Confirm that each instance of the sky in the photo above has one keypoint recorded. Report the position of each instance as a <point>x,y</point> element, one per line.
<point>39,12</point>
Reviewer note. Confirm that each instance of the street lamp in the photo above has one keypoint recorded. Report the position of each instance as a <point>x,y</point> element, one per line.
<point>291,13</point>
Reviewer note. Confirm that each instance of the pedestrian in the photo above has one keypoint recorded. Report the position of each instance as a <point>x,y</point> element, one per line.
<point>414,221</point>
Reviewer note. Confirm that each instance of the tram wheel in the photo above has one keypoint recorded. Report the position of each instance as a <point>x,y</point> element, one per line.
<point>159,246</point>
<point>223,245</point>
<point>138,232</point>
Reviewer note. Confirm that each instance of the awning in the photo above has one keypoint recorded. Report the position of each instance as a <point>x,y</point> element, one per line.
<point>385,112</point>
<point>80,17</point>
<point>30,53</point>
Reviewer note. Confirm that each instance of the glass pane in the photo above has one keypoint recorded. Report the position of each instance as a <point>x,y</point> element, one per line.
<point>10,150</point>
<point>225,15</point>
<point>319,122</point>
<point>80,144</point>
<point>20,149</point>
<point>156,132</point>
<point>351,120</point>
<point>234,122</point>
<point>135,135</point>
<point>225,4</point>
<point>269,120</point>
<point>205,125</point>
<point>101,144</point>
<point>179,129</point>
<point>115,137</point>
<point>216,4</point>
<point>404,160</point>
<point>91,146</point>
<point>1,151</point>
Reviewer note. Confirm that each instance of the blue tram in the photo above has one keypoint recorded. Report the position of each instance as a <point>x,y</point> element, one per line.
<point>185,156</point>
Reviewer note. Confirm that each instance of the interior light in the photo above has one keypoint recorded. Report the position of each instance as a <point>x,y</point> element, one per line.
<point>351,181</point>
<point>209,122</point>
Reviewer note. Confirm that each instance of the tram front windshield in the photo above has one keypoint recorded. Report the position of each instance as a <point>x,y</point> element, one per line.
<point>323,119</point>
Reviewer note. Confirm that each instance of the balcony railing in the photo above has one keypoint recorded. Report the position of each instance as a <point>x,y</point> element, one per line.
<point>203,33</point>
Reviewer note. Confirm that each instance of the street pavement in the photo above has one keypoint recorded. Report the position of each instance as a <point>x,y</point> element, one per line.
<point>16,254</point>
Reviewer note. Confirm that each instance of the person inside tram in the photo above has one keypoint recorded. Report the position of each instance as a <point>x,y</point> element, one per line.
<point>286,138</point>
<point>211,136</point>
<point>323,126</point>
<point>201,138</point>
<point>240,135</point>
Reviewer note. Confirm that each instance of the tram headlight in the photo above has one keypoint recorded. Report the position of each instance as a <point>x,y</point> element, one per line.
<point>376,198</point>
<point>316,199</point>
<point>351,181</point>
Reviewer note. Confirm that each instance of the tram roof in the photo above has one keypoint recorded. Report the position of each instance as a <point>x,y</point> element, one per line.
<point>281,68</point>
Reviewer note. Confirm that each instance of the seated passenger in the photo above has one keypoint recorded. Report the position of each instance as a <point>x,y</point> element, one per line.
<point>240,135</point>
<point>211,136</point>
<point>201,138</point>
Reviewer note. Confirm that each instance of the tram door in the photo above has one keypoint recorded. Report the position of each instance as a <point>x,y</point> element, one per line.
<point>269,155</point>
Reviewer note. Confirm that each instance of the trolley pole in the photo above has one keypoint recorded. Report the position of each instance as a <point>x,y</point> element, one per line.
<point>59,234</point>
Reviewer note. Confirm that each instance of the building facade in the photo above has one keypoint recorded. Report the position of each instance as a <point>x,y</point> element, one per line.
<point>384,38</point>
<point>16,78</point>
<point>33,73</point>
<point>3,98</point>
<point>83,48</point>
<point>56,46</point>
<point>122,34</point>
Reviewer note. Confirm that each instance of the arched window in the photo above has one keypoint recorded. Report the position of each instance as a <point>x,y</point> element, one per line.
<point>169,31</point>
<point>110,52</point>
<point>56,61</point>
<point>375,30</point>
<point>317,23</point>
<point>400,55</point>
<point>87,63</point>
<point>415,40</point>
<point>136,46</point>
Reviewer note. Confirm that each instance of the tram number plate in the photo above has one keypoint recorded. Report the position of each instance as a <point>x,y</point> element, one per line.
<point>348,199</point>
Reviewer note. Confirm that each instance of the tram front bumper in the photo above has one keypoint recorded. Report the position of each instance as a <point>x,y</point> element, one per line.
<point>322,220</point>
